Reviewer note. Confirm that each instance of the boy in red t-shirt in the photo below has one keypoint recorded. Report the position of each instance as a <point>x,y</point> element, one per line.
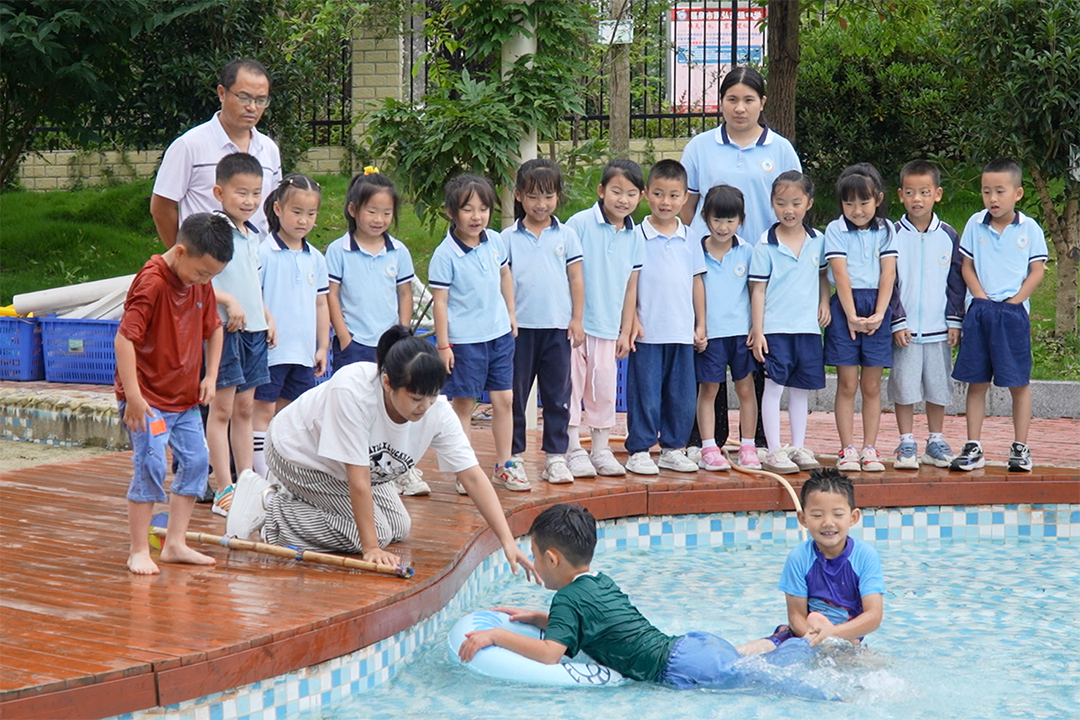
<point>169,311</point>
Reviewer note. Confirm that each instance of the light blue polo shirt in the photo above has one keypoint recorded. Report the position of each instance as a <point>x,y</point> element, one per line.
<point>292,280</point>
<point>611,254</point>
<point>727,297</point>
<point>863,250</point>
<point>368,293</point>
<point>711,158</point>
<point>1001,260</point>
<point>240,278</point>
<point>541,287</point>
<point>476,310</point>
<point>665,297</point>
<point>793,290</point>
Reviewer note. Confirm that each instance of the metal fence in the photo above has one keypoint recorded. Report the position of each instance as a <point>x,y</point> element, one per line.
<point>330,117</point>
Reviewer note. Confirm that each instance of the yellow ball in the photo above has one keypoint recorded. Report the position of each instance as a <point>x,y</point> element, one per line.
<point>160,520</point>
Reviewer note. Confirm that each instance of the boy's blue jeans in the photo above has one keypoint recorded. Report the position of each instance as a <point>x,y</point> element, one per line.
<point>183,432</point>
<point>661,396</point>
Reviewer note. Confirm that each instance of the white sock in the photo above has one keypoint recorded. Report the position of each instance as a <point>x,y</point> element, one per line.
<point>258,463</point>
<point>747,442</point>
<point>976,442</point>
<point>708,444</point>
<point>910,437</point>
<point>934,437</point>
<point>770,413</point>
<point>600,438</point>
<point>575,438</point>
<point>798,412</point>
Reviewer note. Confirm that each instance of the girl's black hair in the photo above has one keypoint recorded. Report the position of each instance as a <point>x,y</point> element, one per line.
<point>364,187</point>
<point>289,183</point>
<point>625,168</point>
<point>537,176</point>
<point>723,201</point>
<point>748,76</point>
<point>862,181</point>
<point>463,187</point>
<point>828,480</point>
<point>410,362</point>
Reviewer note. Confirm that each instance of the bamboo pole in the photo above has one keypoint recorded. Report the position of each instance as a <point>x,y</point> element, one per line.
<point>317,558</point>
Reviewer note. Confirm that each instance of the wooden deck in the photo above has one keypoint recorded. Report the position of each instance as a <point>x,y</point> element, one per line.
<point>83,637</point>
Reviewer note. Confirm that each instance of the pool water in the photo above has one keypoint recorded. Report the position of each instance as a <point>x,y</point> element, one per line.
<point>973,630</point>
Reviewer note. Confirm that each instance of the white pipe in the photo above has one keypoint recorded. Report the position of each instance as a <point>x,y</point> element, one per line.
<point>97,310</point>
<point>43,302</point>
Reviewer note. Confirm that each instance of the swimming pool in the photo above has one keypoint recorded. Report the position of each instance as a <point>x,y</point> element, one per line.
<point>936,561</point>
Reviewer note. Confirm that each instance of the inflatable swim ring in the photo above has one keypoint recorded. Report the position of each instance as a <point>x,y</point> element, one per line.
<point>501,663</point>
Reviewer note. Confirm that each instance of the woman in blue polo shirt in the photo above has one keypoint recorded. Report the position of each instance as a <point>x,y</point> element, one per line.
<point>745,153</point>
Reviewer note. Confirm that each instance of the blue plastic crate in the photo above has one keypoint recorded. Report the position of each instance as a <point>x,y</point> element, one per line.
<point>20,349</point>
<point>79,351</point>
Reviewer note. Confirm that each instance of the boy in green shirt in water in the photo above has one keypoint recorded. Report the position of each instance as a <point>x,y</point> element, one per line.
<point>590,613</point>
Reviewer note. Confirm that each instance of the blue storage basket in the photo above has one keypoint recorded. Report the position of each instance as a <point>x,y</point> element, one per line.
<point>79,351</point>
<point>20,349</point>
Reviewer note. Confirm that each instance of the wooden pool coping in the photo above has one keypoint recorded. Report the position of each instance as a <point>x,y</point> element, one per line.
<point>84,638</point>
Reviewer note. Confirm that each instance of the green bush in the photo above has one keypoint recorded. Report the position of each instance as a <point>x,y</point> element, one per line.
<point>867,95</point>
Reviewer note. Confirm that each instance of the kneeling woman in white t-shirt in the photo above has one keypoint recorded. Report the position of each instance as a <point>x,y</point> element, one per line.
<point>334,451</point>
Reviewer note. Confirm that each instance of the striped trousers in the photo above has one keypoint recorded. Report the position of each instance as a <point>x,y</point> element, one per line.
<point>314,511</point>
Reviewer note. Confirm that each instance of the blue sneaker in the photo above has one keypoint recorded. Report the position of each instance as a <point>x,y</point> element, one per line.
<point>970,458</point>
<point>907,456</point>
<point>940,454</point>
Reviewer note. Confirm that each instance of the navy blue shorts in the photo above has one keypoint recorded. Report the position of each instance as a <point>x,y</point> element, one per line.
<point>354,353</point>
<point>795,361</point>
<point>720,354</point>
<point>481,366</point>
<point>995,345</point>
<point>287,382</point>
<point>865,350</point>
<point>243,361</point>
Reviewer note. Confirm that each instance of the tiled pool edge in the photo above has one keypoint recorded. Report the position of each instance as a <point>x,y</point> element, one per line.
<point>325,683</point>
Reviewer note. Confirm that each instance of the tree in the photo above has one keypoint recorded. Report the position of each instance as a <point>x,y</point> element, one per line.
<point>1021,60</point>
<point>783,64</point>
<point>471,118</point>
<point>65,64</point>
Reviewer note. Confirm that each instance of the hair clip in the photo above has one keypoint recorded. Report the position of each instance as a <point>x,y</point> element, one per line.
<point>371,170</point>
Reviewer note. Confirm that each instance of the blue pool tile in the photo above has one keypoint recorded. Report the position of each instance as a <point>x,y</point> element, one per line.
<point>620,543</point>
<point>1024,530</point>
<point>716,525</point>
<point>946,531</point>
<point>654,541</point>
<point>752,523</point>
<point>1011,507</point>
<point>997,518</point>
<point>792,522</point>
<point>907,520</point>
<point>882,534</point>
<point>643,529</point>
<point>1074,518</point>
<point>691,540</point>
<point>268,698</point>
<point>972,518</point>
<point>931,518</point>
<point>1050,531</point>
<point>665,527</point>
<point>217,712</point>
<point>729,538</point>
<point>868,521</point>
<point>281,712</point>
<point>335,678</point>
<point>304,690</point>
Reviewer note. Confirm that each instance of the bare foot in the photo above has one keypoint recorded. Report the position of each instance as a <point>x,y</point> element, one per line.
<point>184,554</point>
<point>142,564</point>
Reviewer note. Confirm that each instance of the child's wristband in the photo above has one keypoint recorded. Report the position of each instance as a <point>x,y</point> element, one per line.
<point>448,346</point>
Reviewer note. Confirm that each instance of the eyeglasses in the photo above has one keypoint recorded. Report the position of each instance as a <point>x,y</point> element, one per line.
<point>246,99</point>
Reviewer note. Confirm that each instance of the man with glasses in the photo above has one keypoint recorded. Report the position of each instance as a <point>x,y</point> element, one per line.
<point>185,180</point>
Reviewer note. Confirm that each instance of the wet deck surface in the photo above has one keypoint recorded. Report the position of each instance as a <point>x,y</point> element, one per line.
<point>83,637</point>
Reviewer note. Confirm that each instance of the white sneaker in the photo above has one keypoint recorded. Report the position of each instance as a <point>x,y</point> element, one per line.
<point>605,463</point>
<point>580,465</point>
<point>779,463</point>
<point>693,452</point>
<point>460,488</point>
<point>641,463</point>
<point>511,476</point>
<point>248,511</point>
<point>411,483</point>
<point>555,471</point>
<point>676,459</point>
<point>803,458</point>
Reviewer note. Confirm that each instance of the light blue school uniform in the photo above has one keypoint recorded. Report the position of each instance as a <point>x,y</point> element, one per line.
<point>1002,259</point>
<point>666,286</point>
<point>712,158</point>
<point>863,250</point>
<point>240,278</point>
<point>292,281</point>
<point>793,291</point>
<point>727,296</point>
<point>929,297</point>
<point>610,255</point>
<point>541,287</point>
<point>368,293</point>
<point>476,310</point>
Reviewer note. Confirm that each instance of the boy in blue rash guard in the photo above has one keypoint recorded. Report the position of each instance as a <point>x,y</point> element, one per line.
<point>833,583</point>
<point>590,613</point>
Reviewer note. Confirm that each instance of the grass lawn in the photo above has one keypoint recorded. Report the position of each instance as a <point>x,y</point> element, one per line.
<point>60,238</point>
